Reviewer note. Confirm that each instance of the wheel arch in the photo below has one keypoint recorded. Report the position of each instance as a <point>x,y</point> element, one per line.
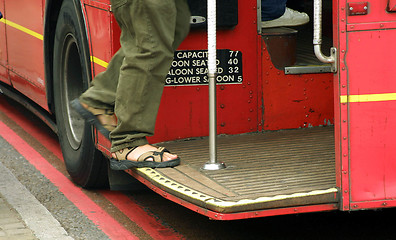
<point>52,9</point>
<point>66,41</point>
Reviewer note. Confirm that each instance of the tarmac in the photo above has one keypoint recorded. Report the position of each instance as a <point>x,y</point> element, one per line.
<point>22,216</point>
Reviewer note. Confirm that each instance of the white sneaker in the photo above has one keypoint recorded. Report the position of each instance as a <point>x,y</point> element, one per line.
<point>289,18</point>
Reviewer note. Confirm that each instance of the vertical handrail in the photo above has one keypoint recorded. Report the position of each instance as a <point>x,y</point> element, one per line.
<point>317,38</point>
<point>212,164</point>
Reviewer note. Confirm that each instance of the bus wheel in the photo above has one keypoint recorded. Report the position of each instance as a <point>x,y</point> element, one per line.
<point>85,164</point>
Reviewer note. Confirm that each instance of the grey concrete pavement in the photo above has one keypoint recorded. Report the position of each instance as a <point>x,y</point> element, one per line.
<point>11,224</point>
<point>22,216</point>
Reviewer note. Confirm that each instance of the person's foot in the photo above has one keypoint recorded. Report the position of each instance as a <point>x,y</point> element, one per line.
<point>289,18</point>
<point>143,156</point>
<point>104,116</point>
<point>103,119</point>
<point>138,151</point>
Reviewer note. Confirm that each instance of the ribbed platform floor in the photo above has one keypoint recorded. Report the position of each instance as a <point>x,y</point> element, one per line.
<point>259,166</point>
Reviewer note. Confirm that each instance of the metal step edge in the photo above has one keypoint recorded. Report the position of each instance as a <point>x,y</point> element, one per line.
<point>218,205</point>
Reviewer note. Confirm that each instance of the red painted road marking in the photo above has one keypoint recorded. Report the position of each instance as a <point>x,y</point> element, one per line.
<point>97,215</point>
<point>126,205</point>
<point>35,131</point>
<point>138,215</point>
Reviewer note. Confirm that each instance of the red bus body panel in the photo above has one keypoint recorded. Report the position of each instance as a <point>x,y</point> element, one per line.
<point>3,49</point>
<point>391,5</point>
<point>25,51</point>
<point>368,107</point>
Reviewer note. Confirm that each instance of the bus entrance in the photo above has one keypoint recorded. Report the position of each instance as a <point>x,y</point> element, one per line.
<point>275,123</point>
<point>323,138</point>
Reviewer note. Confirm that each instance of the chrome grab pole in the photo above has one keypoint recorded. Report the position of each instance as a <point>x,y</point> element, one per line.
<point>317,38</point>
<point>212,164</point>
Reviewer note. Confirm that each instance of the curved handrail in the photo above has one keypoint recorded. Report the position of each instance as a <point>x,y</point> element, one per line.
<point>317,38</point>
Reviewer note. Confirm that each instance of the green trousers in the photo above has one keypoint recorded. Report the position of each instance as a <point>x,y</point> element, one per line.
<point>132,85</point>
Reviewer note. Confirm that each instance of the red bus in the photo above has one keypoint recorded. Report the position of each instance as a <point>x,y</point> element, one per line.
<point>296,134</point>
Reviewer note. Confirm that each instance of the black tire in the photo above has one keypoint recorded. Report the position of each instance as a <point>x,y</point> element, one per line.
<point>72,74</point>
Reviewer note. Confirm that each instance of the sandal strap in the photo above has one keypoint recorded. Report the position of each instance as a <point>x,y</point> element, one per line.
<point>106,117</point>
<point>123,153</point>
<point>156,156</point>
<point>107,122</point>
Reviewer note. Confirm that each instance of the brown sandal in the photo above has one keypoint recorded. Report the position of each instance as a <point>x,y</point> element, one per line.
<point>103,119</point>
<point>152,159</point>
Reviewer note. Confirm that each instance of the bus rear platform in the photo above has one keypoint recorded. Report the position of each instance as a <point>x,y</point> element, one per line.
<point>288,170</point>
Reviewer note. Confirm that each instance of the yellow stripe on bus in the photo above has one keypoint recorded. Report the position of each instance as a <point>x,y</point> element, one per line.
<point>23,29</point>
<point>99,61</point>
<point>368,98</point>
<point>39,36</point>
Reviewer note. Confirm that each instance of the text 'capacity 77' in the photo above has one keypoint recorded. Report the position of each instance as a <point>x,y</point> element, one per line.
<point>190,68</point>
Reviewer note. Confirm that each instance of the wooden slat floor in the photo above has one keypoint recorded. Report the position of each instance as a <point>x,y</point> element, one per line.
<point>259,165</point>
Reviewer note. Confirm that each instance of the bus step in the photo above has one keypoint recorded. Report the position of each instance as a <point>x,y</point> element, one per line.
<point>265,171</point>
<point>325,68</point>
